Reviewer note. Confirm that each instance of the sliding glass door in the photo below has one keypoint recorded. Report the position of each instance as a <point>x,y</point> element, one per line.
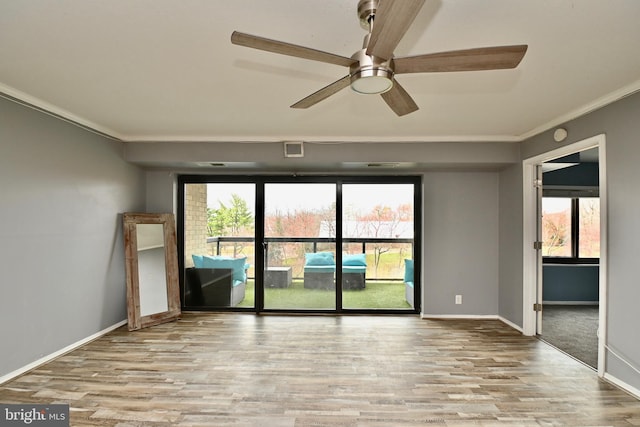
<point>299,244</point>
<point>377,245</point>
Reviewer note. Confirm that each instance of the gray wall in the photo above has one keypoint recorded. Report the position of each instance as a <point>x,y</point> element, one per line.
<point>61,257</point>
<point>161,194</point>
<point>510,253</point>
<point>570,283</point>
<point>460,243</point>
<point>619,121</point>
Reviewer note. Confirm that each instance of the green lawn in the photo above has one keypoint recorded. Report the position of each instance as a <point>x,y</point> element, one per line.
<point>377,294</point>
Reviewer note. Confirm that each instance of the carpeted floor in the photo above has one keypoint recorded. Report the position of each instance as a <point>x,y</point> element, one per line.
<point>573,329</point>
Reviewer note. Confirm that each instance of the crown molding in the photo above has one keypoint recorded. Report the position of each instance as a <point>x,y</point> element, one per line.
<point>49,109</point>
<point>610,98</point>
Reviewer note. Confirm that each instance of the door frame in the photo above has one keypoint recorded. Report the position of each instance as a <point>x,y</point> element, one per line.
<point>530,255</point>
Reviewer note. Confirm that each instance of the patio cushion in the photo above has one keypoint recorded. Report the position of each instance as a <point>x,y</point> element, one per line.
<point>408,271</point>
<point>354,263</point>
<point>319,258</point>
<point>197,261</point>
<point>238,265</point>
<point>355,260</point>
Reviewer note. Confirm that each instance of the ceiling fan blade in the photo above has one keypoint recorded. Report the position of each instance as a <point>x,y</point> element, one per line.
<point>283,48</point>
<point>391,22</point>
<point>399,100</point>
<point>484,58</point>
<point>323,93</point>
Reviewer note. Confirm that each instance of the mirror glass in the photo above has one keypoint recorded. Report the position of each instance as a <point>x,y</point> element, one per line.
<point>152,272</point>
<point>151,256</point>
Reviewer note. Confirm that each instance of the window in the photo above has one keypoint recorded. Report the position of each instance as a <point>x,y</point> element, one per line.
<point>556,227</point>
<point>319,243</point>
<point>571,229</point>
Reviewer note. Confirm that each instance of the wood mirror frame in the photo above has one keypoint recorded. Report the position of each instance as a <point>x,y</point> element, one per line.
<point>163,248</point>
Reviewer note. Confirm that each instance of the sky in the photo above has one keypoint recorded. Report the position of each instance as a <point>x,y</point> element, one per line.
<point>555,204</point>
<point>288,197</point>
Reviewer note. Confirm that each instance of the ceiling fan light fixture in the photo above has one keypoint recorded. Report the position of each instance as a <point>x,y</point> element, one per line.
<point>372,81</point>
<point>370,74</point>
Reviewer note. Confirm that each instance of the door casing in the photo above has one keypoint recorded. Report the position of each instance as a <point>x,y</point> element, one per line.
<point>530,265</point>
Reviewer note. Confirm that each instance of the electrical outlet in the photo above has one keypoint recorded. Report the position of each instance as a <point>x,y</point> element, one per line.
<point>458,299</point>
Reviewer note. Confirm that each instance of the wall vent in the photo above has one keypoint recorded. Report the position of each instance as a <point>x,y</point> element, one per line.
<point>293,149</point>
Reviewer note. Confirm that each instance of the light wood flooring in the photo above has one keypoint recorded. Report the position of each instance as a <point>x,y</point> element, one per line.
<point>294,371</point>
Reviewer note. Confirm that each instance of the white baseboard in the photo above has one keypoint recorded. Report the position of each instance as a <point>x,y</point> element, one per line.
<point>511,324</point>
<point>50,357</point>
<point>624,386</point>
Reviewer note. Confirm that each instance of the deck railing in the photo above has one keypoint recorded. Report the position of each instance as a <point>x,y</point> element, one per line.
<point>314,243</point>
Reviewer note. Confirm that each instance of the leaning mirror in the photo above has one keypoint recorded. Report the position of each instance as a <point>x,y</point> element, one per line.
<point>151,262</point>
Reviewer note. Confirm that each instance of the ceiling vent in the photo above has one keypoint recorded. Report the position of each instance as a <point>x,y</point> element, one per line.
<point>293,149</point>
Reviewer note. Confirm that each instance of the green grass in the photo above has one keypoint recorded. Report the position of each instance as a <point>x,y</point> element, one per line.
<point>376,295</point>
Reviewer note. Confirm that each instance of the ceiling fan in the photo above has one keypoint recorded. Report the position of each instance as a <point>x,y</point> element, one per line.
<point>372,69</point>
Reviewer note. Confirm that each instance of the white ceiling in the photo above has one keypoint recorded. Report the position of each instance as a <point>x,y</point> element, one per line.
<point>165,70</point>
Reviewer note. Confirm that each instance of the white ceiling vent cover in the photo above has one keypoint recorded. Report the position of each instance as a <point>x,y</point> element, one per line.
<point>293,149</point>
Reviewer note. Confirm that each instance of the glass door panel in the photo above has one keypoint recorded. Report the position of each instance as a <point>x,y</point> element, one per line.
<point>377,248</point>
<point>299,247</point>
<point>219,245</point>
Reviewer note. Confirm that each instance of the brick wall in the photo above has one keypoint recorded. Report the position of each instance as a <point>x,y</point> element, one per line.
<point>195,222</point>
